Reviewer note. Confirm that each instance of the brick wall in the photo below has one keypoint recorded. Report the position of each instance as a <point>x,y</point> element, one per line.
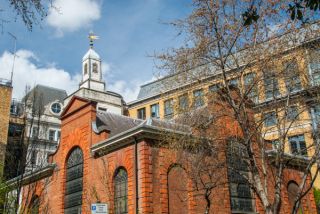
<point>155,165</point>
<point>5,101</point>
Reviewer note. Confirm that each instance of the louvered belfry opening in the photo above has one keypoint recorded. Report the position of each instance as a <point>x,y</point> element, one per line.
<point>74,177</point>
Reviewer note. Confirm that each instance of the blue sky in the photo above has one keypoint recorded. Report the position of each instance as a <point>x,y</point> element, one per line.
<point>129,31</point>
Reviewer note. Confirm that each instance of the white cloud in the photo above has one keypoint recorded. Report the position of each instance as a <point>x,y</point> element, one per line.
<point>71,15</point>
<point>27,72</point>
<point>128,90</point>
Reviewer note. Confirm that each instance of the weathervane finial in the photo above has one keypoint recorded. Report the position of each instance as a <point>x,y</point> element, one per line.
<point>92,37</point>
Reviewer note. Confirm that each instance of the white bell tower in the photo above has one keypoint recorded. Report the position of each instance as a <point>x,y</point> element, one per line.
<point>92,87</point>
<point>91,68</point>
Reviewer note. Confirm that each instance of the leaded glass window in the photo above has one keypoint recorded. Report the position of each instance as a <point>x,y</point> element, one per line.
<point>73,192</point>
<point>121,192</point>
<point>238,175</point>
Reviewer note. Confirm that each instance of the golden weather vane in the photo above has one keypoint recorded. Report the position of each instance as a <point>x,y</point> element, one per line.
<point>92,37</point>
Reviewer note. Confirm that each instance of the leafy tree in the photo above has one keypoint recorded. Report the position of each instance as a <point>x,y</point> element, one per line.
<point>30,11</point>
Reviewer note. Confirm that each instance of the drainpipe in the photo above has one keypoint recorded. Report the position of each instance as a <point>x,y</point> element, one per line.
<point>136,172</point>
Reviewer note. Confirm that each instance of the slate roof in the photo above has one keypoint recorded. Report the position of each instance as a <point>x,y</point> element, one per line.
<point>117,124</point>
<point>44,95</point>
<point>171,82</point>
<point>175,81</point>
<point>91,54</point>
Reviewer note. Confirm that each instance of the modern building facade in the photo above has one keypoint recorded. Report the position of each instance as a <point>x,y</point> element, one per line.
<point>284,92</point>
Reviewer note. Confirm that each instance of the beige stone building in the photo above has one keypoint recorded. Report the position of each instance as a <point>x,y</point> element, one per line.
<point>290,97</point>
<point>5,100</point>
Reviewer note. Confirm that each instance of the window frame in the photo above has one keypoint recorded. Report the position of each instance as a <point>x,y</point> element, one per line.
<point>292,79</point>
<point>250,87</point>
<point>234,82</point>
<point>35,132</point>
<point>120,193</point>
<point>298,149</point>
<point>95,67</point>
<point>271,86</point>
<point>292,113</point>
<point>198,98</point>
<point>33,157</point>
<point>168,109</point>
<point>143,110</point>
<point>156,112</point>
<point>314,67</point>
<point>237,168</point>
<point>54,107</point>
<point>85,68</point>
<point>273,117</point>
<point>74,181</point>
<point>183,102</point>
<point>315,114</point>
<point>215,87</point>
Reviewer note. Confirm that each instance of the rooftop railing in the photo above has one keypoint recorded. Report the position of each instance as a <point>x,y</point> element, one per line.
<point>5,82</point>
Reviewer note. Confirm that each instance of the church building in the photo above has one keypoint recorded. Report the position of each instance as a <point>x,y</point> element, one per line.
<point>128,166</point>
<point>93,87</point>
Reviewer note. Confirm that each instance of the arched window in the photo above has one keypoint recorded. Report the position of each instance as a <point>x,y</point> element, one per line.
<point>293,192</point>
<point>85,68</point>
<point>74,174</point>
<point>238,174</point>
<point>177,190</point>
<point>34,205</point>
<point>121,191</point>
<point>94,67</point>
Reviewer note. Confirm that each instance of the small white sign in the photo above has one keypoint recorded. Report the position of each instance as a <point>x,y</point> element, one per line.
<point>99,208</point>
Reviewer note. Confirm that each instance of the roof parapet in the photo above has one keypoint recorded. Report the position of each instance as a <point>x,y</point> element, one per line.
<point>5,82</point>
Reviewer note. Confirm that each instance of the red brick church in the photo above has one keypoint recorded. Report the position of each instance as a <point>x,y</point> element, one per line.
<point>107,158</point>
<point>116,160</point>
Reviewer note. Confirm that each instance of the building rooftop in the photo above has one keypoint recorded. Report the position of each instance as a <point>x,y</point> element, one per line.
<point>117,124</point>
<point>43,95</point>
<point>181,79</point>
<point>5,82</point>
